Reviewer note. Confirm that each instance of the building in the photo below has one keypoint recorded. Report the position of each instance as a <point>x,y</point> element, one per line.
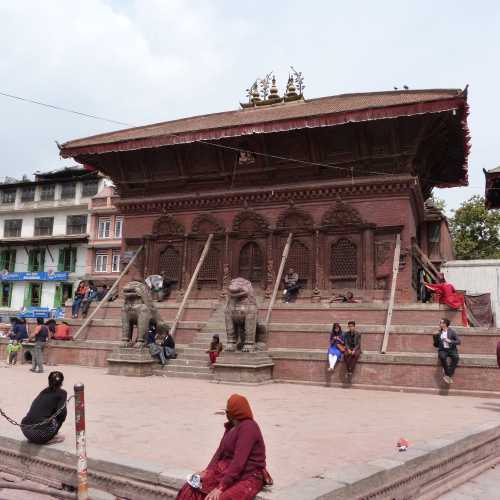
<point>105,238</point>
<point>344,174</point>
<point>492,188</point>
<point>43,236</point>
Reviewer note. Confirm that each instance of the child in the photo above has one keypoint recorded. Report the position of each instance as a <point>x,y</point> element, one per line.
<point>13,349</point>
<point>215,349</point>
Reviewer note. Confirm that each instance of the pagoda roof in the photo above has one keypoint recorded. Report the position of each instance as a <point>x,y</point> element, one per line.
<point>492,188</point>
<point>310,113</point>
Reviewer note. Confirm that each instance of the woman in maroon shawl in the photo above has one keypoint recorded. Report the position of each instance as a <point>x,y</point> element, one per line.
<point>237,471</point>
<point>449,296</point>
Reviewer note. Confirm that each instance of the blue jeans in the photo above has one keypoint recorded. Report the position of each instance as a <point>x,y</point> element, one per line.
<point>75,308</point>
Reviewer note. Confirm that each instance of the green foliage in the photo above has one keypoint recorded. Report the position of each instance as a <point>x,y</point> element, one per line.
<point>475,230</point>
<point>439,203</point>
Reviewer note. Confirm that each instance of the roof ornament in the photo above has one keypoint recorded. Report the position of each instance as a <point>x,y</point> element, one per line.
<point>269,93</point>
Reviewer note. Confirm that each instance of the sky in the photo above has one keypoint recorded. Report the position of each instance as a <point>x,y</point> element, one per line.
<point>147,61</point>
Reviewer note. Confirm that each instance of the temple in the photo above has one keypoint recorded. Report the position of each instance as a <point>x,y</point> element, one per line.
<point>344,174</point>
<point>492,188</point>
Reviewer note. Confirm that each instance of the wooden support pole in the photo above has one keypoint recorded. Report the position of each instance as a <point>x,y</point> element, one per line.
<point>278,279</point>
<point>191,284</point>
<point>426,263</point>
<point>395,270</point>
<point>110,291</point>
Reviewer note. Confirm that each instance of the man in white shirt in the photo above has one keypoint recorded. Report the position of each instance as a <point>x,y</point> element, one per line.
<point>448,341</point>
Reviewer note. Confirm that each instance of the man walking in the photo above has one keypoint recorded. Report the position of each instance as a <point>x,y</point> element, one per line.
<point>352,339</point>
<point>40,337</point>
<point>447,348</point>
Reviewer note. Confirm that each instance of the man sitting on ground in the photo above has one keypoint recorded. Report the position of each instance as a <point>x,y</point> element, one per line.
<point>447,348</point>
<point>352,339</point>
<point>292,286</point>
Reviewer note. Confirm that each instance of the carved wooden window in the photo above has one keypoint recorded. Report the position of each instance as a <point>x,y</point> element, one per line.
<point>251,262</point>
<point>299,260</point>
<point>170,263</point>
<point>210,270</point>
<point>344,263</point>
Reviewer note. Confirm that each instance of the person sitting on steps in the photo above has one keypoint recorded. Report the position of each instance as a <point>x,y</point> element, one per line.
<point>168,344</point>
<point>291,281</point>
<point>337,347</point>
<point>155,350</point>
<point>352,339</point>
<point>215,349</point>
<point>447,348</point>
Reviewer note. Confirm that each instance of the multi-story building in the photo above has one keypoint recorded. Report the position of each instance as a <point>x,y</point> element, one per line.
<point>105,237</point>
<point>43,236</point>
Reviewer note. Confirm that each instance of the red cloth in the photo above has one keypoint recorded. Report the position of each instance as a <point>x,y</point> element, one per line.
<point>213,356</point>
<point>245,489</point>
<point>449,296</point>
<point>238,407</point>
<point>498,355</point>
<point>62,333</point>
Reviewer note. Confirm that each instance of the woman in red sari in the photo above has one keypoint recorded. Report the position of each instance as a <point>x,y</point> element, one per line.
<point>237,471</point>
<point>449,296</point>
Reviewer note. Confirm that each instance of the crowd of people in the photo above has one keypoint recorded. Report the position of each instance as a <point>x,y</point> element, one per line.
<point>85,294</point>
<point>37,336</point>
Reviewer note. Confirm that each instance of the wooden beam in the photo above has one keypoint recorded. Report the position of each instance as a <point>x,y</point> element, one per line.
<point>278,281</point>
<point>425,261</point>
<point>395,270</point>
<point>191,284</point>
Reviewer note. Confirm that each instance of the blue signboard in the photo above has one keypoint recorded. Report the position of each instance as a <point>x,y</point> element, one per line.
<point>37,276</point>
<point>42,312</point>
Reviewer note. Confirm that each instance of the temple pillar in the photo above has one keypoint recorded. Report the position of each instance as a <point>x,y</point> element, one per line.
<point>184,273</point>
<point>316,294</point>
<point>368,259</point>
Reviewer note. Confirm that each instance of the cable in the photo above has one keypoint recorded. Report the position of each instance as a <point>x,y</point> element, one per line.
<point>60,108</point>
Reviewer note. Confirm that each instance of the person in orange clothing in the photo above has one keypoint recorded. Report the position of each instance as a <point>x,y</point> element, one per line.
<point>62,332</point>
<point>449,296</point>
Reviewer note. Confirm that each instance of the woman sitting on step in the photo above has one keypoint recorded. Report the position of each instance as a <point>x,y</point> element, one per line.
<point>336,348</point>
<point>237,471</point>
<point>215,349</point>
<point>45,406</point>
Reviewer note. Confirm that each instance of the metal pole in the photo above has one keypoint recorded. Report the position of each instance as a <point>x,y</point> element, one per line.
<point>81,448</point>
<point>110,291</point>
<point>278,280</point>
<point>190,286</point>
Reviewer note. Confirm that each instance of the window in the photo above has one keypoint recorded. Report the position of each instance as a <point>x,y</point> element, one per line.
<point>36,260</point>
<point>12,228</point>
<point>101,263</point>
<point>47,192</point>
<point>104,228</point>
<point>67,260</point>
<point>7,260</point>
<point>28,193</point>
<point>76,224</point>
<point>33,295</point>
<point>89,188</point>
<point>43,226</point>
<point>64,292</point>
<point>5,294</point>
<point>68,191</point>
<point>118,227</point>
<point>8,196</point>
<point>115,263</point>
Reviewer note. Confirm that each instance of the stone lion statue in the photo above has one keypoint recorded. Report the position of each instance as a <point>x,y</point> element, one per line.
<point>241,312</point>
<point>138,310</point>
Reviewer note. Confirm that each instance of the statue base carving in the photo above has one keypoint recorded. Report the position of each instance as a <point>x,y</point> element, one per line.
<point>238,367</point>
<point>130,362</point>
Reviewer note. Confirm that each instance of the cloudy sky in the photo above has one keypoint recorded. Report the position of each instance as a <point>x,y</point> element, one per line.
<point>144,61</point>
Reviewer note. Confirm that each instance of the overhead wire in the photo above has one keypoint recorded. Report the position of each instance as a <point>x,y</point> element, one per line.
<point>349,170</point>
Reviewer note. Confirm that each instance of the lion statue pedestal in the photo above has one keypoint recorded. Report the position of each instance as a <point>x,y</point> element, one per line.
<point>131,359</point>
<point>245,359</point>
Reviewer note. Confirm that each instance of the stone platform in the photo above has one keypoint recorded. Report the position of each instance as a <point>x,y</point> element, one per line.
<point>165,428</point>
<point>130,362</point>
<point>244,368</point>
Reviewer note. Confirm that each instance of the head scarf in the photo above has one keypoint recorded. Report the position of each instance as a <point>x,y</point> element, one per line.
<point>238,407</point>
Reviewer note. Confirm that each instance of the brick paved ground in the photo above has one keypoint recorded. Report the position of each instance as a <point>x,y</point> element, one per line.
<point>483,487</point>
<point>308,429</point>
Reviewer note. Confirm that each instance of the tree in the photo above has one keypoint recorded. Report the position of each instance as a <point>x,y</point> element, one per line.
<point>475,230</point>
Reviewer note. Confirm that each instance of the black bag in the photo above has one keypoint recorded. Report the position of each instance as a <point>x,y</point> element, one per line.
<point>435,340</point>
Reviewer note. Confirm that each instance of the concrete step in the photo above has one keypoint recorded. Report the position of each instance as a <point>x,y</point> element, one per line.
<point>173,374</point>
<point>188,369</point>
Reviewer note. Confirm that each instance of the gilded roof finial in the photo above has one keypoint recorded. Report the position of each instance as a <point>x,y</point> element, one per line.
<point>273,93</point>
